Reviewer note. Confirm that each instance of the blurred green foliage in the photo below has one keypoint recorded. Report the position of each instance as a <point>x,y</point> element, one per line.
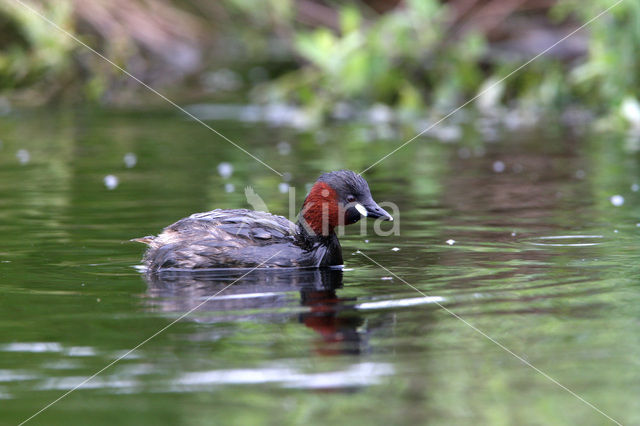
<point>411,57</point>
<point>402,58</point>
<point>32,53</point>
<point>612,69</point>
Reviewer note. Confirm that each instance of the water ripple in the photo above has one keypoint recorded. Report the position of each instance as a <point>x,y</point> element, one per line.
<point>565,240</point>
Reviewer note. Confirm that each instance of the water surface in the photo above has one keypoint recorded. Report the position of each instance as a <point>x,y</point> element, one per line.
<point>518,236</point>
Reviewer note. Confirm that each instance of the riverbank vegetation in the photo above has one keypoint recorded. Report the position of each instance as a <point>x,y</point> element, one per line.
<point>331,59</point>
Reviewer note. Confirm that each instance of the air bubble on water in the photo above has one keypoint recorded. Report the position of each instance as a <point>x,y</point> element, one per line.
<point>366,241</point>
<point>130,159</point>
<point>617,200</point>
<point>395,249</point>
<point>498,167</point>
<point>23,156</point>
<point>283,187</point>
<point>513,234</point>
<point>380,113</point>
<point>111,182</point>
<point>229,187</point>
<point>284,148</point>
<point>225,169</point>
<point>630,109</point>
<point>615,231</point>
<point>386,278</point>
<point>635,187</point>
<point>450,242</point>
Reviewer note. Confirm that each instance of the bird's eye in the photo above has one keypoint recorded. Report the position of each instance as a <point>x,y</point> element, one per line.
<point>350,198</point>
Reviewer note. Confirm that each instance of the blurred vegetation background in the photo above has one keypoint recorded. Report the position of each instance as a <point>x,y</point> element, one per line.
<point>410,59</point>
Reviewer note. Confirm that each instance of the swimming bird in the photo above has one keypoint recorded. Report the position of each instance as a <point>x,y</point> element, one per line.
<point>241,238</point>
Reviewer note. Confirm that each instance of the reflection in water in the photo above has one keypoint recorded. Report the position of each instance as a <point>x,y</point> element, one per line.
<point>264,295</point>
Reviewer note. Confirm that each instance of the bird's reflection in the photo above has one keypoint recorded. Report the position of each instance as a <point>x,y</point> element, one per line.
<point>264,296</point>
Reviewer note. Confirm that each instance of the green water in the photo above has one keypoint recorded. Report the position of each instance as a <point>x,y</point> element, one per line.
<point>541,261</point>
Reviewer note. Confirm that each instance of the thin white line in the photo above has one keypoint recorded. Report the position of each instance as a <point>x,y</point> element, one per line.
<point>56,26</point>
<point>493,85</point>
<point>497,343</point>
<point>143,342</point>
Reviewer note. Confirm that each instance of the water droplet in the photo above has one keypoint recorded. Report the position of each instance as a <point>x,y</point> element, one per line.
<point>617,200</point>
<point>366,241</point>
<point>450,242</point>
<point>225,169</point>
<point>513,234</point>
<point>615,231</point>
<point>380,113</point>
<point>498,167</point>
<point>283,187</point>
<point>111,182</point>
<point>386,278</point>
<point>284,148</point>
<point>130,159</point>
<point>630,109</point>
<point>229,187</point>
<point>23,156</point>
<point>395,249</point>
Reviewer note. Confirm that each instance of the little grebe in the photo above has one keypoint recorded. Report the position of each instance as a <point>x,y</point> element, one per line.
<point>245,239</point>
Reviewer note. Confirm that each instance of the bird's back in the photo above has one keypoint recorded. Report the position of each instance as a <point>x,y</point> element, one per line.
<point>228,239</point>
